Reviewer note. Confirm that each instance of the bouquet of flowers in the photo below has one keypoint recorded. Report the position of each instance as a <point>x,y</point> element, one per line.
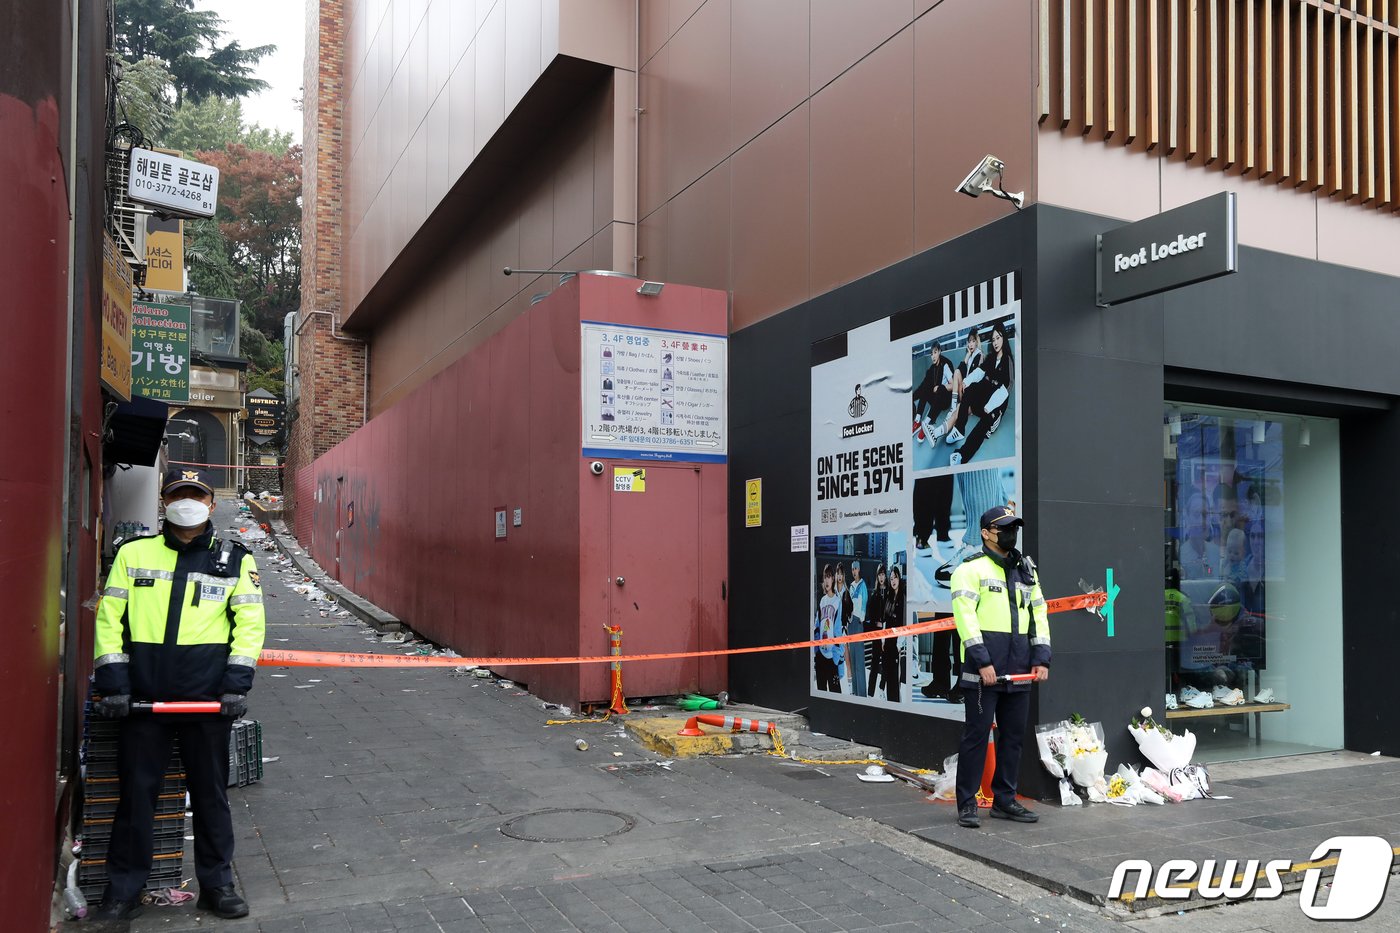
<point>1074,749</point>
<point>1165,749</point>
<point>1052,740</point>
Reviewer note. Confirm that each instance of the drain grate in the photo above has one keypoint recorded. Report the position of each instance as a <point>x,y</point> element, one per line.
<point>573,825</point>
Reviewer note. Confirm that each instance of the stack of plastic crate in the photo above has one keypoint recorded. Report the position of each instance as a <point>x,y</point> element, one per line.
<point>245,753</point>
<point>100,794</point>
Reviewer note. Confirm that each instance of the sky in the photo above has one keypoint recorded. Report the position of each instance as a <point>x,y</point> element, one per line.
<point>269,22</point>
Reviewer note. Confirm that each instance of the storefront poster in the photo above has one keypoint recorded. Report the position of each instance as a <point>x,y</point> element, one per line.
<point>116,320</point>
<point>160,352</point>
<point>915,433</point>
<point>654,394</point>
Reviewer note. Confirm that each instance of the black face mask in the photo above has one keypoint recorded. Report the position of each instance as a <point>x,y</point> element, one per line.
<point>1006,539</point>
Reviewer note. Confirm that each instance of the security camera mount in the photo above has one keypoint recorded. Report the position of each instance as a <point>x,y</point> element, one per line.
<point>980,179</point>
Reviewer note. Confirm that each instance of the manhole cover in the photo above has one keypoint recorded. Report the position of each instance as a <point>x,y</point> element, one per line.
<point>567,825</point>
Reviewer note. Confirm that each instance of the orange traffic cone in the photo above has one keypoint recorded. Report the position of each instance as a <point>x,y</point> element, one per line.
<point>989,767</point>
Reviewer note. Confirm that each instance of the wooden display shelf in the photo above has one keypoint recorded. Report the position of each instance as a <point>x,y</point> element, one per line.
<point>1189,713</point>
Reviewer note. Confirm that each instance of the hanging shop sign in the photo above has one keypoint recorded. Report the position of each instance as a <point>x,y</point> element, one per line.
<point>901,471</point>
<point>160,351</point>
<point>214,388</point>
<point>116,320</point>
<point>654,394</point>
<point>264,418</point>
<point>1189,244</point>
<point>181,186</point>
<point>165,254</point>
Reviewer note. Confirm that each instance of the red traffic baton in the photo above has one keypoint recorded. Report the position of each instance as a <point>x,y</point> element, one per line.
<point>1015,678</point>
<point>176,706</point>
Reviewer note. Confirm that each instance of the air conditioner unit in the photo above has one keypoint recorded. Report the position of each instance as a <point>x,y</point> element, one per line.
<point>128,218</point>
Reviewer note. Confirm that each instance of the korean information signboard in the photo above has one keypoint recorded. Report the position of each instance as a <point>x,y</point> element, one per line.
<point>115,364</point>
<point>652,394</point>
<point>179,185</point>
<point>160,352</point>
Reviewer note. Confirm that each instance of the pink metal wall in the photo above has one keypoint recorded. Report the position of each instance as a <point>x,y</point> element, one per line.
<point>500,429</point>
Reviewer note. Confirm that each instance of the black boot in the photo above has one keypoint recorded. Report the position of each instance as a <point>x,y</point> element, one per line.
<point>224,902</point>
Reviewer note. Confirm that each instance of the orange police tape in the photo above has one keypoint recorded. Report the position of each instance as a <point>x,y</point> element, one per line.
<point>285,658</point>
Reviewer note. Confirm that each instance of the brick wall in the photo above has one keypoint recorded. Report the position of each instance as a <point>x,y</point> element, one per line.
<point>331,366</point>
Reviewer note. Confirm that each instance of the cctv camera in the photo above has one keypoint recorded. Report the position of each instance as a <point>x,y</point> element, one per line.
<point>980,179</point>
<point>596,467</point>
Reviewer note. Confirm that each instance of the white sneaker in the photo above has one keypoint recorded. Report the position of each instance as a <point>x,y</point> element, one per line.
<point>1171,701</point>
<point>955,458</point>
<point>1265,696</point>
<point>938,431</point>
<point>954,436</point>
<point>1196,699</point>
<point>1233,697</point>
<point>1220,692</point>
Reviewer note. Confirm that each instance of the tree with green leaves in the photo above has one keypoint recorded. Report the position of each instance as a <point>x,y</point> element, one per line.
<point>213,123</point>
<point>190,42</point>
<point>144,94</point>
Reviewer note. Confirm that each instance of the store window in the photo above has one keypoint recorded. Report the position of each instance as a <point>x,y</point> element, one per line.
<point>1253,581</point>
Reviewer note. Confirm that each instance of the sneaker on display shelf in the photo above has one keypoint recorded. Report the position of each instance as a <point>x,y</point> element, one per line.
<point>1265,696</point>
<point>1219,692</point>
<point>1171,701</point>
<point>1232,697</point>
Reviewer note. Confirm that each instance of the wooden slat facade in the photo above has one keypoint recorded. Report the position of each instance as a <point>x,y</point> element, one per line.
<point>1297,92</point>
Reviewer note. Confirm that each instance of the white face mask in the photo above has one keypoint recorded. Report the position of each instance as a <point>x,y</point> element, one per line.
<point>187,513</point>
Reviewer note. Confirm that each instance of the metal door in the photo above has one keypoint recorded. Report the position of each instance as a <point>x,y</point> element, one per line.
<point>654,551</point>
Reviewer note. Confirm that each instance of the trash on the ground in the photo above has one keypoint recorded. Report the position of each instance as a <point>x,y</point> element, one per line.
<point>617,754</point>
<point>507,683</point>
<point>273,758</point>
<point>581,745</point>
<point>482,672</point>
<point>874,774</point>
<point>549,706</point>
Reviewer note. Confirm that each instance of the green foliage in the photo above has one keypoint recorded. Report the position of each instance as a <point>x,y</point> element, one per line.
<point>259,220</point>
<point>264,357</point>
<point>144,94</point>
<point>190,42</point>
<point>213,123</point>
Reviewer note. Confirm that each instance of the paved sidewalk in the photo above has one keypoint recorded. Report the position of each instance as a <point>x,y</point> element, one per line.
<point>425,800</point>
<point>388,804</point>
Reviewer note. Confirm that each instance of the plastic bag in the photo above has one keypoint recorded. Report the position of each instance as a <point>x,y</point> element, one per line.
<point>1192,780</point>
<point>945,786</point>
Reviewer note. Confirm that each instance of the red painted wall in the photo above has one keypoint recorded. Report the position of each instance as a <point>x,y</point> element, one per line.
<point>500,429</point>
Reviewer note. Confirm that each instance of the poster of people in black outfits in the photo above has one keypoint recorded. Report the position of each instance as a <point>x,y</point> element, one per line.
<point>894,509</point>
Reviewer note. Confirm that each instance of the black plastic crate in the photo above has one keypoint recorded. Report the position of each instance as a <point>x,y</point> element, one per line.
<point>168,841</point>
<point>93,882</point>
<point>245,764</point>
<point>105,808</point>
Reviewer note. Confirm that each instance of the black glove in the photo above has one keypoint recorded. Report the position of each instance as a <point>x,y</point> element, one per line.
<point>114,707</point>
<point>233,705</point>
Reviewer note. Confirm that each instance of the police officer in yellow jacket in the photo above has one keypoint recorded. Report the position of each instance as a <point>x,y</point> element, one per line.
<point>1004,629</point>
<point>181,619</point>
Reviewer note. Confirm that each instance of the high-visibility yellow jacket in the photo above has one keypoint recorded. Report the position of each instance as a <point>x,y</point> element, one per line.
<point>1001,618</point>
<point>179,621</point>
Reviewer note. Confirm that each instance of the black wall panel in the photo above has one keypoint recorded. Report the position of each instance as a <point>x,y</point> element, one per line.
<point>1284,333</point>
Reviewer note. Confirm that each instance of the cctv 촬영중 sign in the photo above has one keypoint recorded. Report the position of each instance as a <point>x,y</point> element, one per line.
<point>1189,244</point>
